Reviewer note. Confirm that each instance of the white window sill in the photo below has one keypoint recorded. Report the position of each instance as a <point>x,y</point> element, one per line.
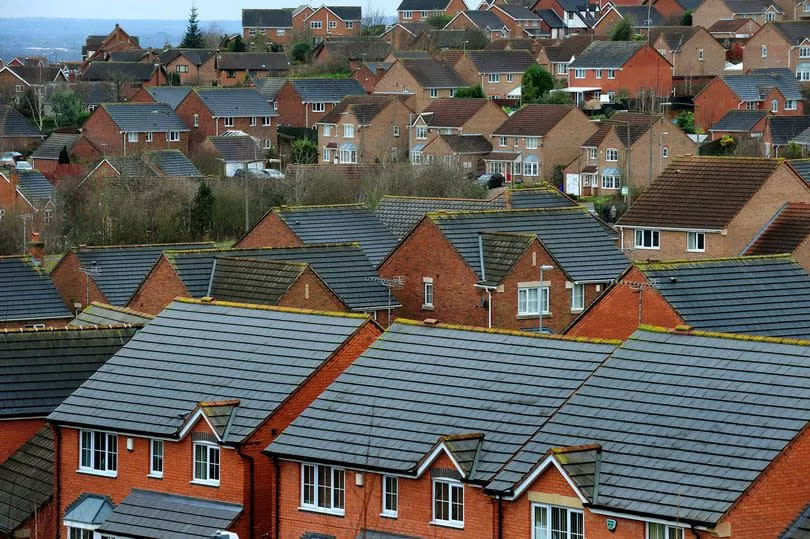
<point>448,524</point>
<point>311,509</point>
<point>647,248</point>
<point>427,307</point>
<point>155,476</point>
<point>97,472</point>
<point>577,310</point>
<point>696,250</point>
<point>204,483</point>
<point>389,515</point>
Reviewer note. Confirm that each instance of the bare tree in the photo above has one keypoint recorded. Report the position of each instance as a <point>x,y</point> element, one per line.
<point>213,34</point>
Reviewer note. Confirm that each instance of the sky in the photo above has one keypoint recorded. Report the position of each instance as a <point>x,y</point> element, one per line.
<point>165,9</point>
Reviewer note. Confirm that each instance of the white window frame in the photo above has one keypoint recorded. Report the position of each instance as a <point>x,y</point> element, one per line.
<point>531,168</point>
<point>433,93</point>
<point>510,77</point>
<point>700,55</point>
<point>349,25</point>
<point>579,73</point>
<point>182,68</point>
<point>763,51</point>
<point>332,25</point>
<point>281,32</point>
<point>196,120</point>
<point>543,297</point>
<point>694,240</point>
<point>612,155</point>
<point>597,73</point>
<point>253,121</point>
<point>670,532</point>
<point>452,492</point>
<point>493,78</point>
<point>268,143</point>
<point>407,14</point>
<point>132,137</point>
<point>149,136</point>
<point>770,16</point>
<point>790,104</point>
<point>348,157</point>
<point>81,533</point>
<point>319,107</point>
<point>774,105</point>
<point>315,25</point>
<point>549,533</point>
<point>348,130</point>
<point>314,505</point>
<point>266,120</point>
<point>420,132</point>
<point>251,31</point>
<point>664,152</point>
<point>577,297</point>
<point>48,217</point>
<point>395,131</point>
<point>227,121</point>
<point>640,241</point>
<point>503,141</point>
<point>423,14</point>
<point>390,496</point>
<point>804,52</point>
<point>610,181</point>
<point>327,130</point>
<point>173,136</point>
<point>110,439</point>
<point>156,454</point>
<point>427,294</point>
<point>592,154</point>
<point>611,73</point>
<point>531,143</point>
<point>326,154</point>
<point>562,69</point>
<point>209,449</point>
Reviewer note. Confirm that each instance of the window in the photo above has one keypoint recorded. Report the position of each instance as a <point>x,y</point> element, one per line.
<point>348,156</point>
<point>268,143</point>
<point>804,52</point>
<point>132,137</point>
<point>562,69</point>
<point>530,168</point>
<point>318,107</point>
<point>266,120</point>
<point>407,14</point>
<point>263,31</point>
<point>502,141</point>
<point>531,143</point>
<point>421,133</point>
<point>612,154</point>
<point>423,14</point>
<point>579,73</point>
<point>592,153</point>
<point>493,78</point>
<point>173,136</point>
<point>763,50</point>
<point>182,68</point>
<point>323,488</point>
<point>79,533</point>
<point>2,213</point>
<point>395,130</point>
<point>647,239</point>
<point>332,24</point>
<point>774,105</point>
<point>509,77</point>
<point>251,31</point>
<point>611,73</point>
<point>610,181</point>
<point>662,531</point>
<point>700,55</point>
<point>528,301</point>
<point>664,152</point>
<point>452,92</point>
<point>327,130</point>
<point>227,121</point>
<point>149,136</point>
<point>98,452</point>
<point>253,120</point>
<point>770,16</point>
<point>427,299</point>
<point>280,31</point>
<point>326,154</point>
<point>348,130</point>
<point>751,105</point>
<point>550,522</point>
<point>316,25</point>
<point>390,496</point>
<point>48,217</point>
<point>394,154</point>
<point>803,71</point>
<point>196,120</point>
<point>434,93</point>
<point>578,297</point>
<point>349,25</point>
<point>448,503</point>
<point>790,104</point>
<point>695,242</point>
<point>206,464</point>
<point>156,458</point>
<point>598,73</point>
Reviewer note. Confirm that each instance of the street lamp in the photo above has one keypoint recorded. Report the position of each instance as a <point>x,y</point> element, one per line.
<point>543,267</point>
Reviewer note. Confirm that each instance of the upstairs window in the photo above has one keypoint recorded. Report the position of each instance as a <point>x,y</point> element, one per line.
<point>562,69</point>
<point>332,24</point>
<point>156,458</point>
<point>182,68</point>
<point>390,496</point>
<point>763,51</point>
<point>578,297</point>
<point>149,136</point>
<point>502,141</point>
<point>196,120</point>
<point>395,131</point>
<point>774,106</point>
<point>132,137</point>
<point>530,300</point>
<point>790,104</point>
<point>327,130</point>
<point>407,14</point>
<point>662,531</point>
<point>700,55</point>
<point>173,136</point>
<point>434,93</point>
<point>323,488</point>
<point>804,52</point>
<point>348,130</point>
<point>598,73</point>
<point>612,154</point>
<point>494,78</point>
<point>695,242</point>
<point>427,299</point>
<point>611,73</point>
<point>253,121</point>
<point>266,120</point>
<point>227,121</point>
<point>349,25</point>
<point>206,464</point>
<point>316,25</point>
<point>421,133</point>
<point>98,452</point>
<point>280,31</point>
<point>318,107</point>
<point>592,154</point>
<point>579,73</point>
<point>647,239</point>
<point>448,503</point>
<point>550,522</point>
<point>531,143</point>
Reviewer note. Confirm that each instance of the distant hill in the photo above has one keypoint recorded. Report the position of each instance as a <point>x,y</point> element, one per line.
<point>65,37</point>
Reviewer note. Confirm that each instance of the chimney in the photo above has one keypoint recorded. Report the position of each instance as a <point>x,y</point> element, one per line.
<point>36,249</point>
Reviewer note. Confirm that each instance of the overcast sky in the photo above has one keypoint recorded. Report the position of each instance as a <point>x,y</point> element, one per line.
<point>164,9</point>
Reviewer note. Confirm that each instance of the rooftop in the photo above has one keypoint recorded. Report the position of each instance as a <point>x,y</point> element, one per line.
<point>400,214</point>
<point>235,102</point>
<point>326,90</point>
<point>433,73</point>
<point>144,117</point>
<point>52,146</point>
<point>26,481</point>
<point>756,85</point>
<point>452,112</point>
<point>27,293</point>
<point>364,108</point>
<point>784,233</point>
<point>172,95</point>
<point>103,315</point>
<point>533,120</point>
<point>14,124</point>
<point>607,54</point>
<point>739,121</point>
<point>506,61</point>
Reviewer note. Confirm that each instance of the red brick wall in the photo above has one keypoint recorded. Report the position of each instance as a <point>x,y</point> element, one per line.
<point>713,102</point>
<point>645,70</point>
<point>203,75</point>
<point>271,231</point>
<point>15,433</point>
<point>40,526</point>
<point>159,288</point>
<point>72,284</point>
<point>292,112</point>
<point>103,133</point>
<point>616,315</point>
<point>669,8</point>
<point>321,298</point>
<point>325,16</point>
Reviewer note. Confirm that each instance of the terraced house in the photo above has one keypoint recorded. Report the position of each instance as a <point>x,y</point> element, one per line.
<point>499,73</point>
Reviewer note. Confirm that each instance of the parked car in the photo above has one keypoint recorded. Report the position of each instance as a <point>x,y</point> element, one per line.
<point>24,165</point>
<point>491,180</point>
<point>273,173</point>
<point>7,159</point>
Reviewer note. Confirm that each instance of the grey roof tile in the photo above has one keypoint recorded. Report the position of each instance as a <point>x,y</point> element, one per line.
<point>754,86</point>
<point>501,252</point>
<point>607,54</point>
<point>269,86</point>
<point>172,95</point>
<point>485,20</point>
<point>326,90</point>
<point>89,508</point>
<point>347,13</point>
<point>26,480</point>
<point>52,146</point>
<point>101,314</point>
<point>799,528</point>
<point>802,166</point>
<point>741,121</point>
<point>196,56</point>
<point>401,214</point>
<point>235,102</point>
<point>641,17</point>
<point>14,124</point>
<point>247,280</point>
<point>263,61</point>
<point>433,73</point>
<point>467,144</point>
<point>27,293</point>
<point>538,197</point>
<point>267,18</point>
<point>420,5</point>
<point>794,31</point>
<point>172,163</point>
<point>783,129</point>
<point>144,117</point>
<point>115,71</point>
<point>519,12</point>
<point>493,61</point>
<point>241,148</point>
<point>34,186</point>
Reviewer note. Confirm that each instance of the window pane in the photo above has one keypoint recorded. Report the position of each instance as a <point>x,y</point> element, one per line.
<point>457,508</point>
<point>559,523</point>
<point>99,450</point>
<point>112,452</point>
<point>577,525</point>
<point>391,494</point>
<point>339,489</point>
<point>540,522</point>
<point>324,486</point>
<point>157,456</point>
<point>441,503</point>
<point>656,531</point>
<point>213,464</point>
<point>309,485</point>
<point>200,462</point>
<point>87,455</point>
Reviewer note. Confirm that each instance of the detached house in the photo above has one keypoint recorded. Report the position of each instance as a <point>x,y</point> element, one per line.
<point>329,21</point>
<point>499,73</point>
<point>535,139</point>
<point>485,267</point>
<point>365,129</point>
<point>484,21</point>
<point>195,67</point>
<point>421,10</point>
<point>784,44</point>
<point>423,80</point>
<point>98,47</point>
<point>729,32</point>
<point>16,80</point>
<point>303,102</point>
<point>521,20</point>
<point>695,55</point>
<point>239,67</point>
<point>576,16</point>
<point>273,25</point>
<point>709,12</point>
<point>668,222</point>
<point>125,78</point>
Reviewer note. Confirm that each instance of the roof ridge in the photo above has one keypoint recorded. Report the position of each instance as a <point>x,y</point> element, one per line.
<point>262,261</point>
<point>258,307</point>
<point>448,198</point>
<point>223,249</point>
<point>321,206</point>
<point>52,329</point>
<point>684,262</point>
<point>559,209</point>
<point>687,330</point>
<point>135,245</point>
<point>125,310</point>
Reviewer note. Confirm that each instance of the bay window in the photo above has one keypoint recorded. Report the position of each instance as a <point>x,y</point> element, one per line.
<point>323,488</point>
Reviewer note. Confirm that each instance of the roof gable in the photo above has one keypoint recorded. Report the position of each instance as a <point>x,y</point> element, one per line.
<point>451,112</point>
<point>607,54</point>
<point>245,280</point>
<point>363,108</point>
<point>755,85</point>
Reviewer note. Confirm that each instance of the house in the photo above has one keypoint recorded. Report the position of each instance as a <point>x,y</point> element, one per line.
<point>423,80</point>
<point>133,128</point>
<point>709,12</point>
<point>521,20</point>
<point>463,473</point>
<point>485,22</point>
<point>535,139</point>
<point>369,73</point>
<point>102,314</point>
<point>499,73</point>
<point>513,246</point>
<point>551,25</point>
<point>774,90</point>
<point>303,102</point>
<point>400,214</point>
<point>365,129</point>
<point>36,61</point>
<point>454,117</point>
<point>516,44</point>
<point>16,132</point>
<point>782,130</point>
<point>740,124</point>
<point>28,193</point>
<point>147,167</point>
<point>235,151</point>
<point>781,44</point>
<point>541,195</point>
<point>125,78</point>
<point>238,67</point>
<point>28,298</point>
<point>556,56</point>
<point>195,67</point>
<point>734,31</point>
<point>695,55</point>
<point>134,55</point>
<point>344,268</point>
<point>91,93</point>
<point>269,88</point>
<point>326,22</point>
<point>641,17</point>
<point>273,25</point>
<point>746,192</point>
<point>196,418</point>
<point>215,111</point>
<point>16,80</point>
<point>606,68</point>
<point>107,274</point>
<point>577,16</point>
<point>401,34</point>
<point>786,232</point>
<point>673,8</point>
<point>411,11</point>
<point>689,293</point>
<point>296,226</point>
<point>464,152</point>
<point>629,149</point>
<point>440,43</point>
<point>46,157</point>
<point>98,47</point>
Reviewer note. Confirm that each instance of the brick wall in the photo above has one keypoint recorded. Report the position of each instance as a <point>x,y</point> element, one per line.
<point>375,141</point>
<point>159,288</point>
<point>713,102</point>
<point>104,133</point>
<point>607,23</point>
<point>325,17</point>
<point>686,61</point>
<point>15,433</point>
<point>72,284</point>
<point>310,292</point>
<point>202,75</point>
<point>397,80</point>
<point>779,51</point>
<point>709,12</point>
<point>271,231</point>
<point>292,112</point>
<point>646,70</point>
<point>472,76</point>
<point>270,34</point>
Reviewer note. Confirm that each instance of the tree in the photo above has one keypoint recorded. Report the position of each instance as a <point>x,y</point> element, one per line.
<point>67,108</point>
<point>536,83</point>
<point>438,21</point>
<point>173,78</point>
<point>304,152</point>
<point>213,35</point>
<point>301,52</point>
<point>193,39</point>
<point>686,121</point>
<point>202,210</point>
<point>64,157</point>
<point>556,97</point>
<point>470,91</point>
<point>792,151</point>
<point>686,18</point>
<point>623,30</point>
<point>237,45</point>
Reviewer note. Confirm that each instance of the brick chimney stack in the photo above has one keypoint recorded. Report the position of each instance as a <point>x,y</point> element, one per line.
<point>36,249</point>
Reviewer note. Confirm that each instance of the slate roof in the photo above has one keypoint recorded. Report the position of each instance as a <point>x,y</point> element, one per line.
<point>551,18</point>
<point>51,146</point>
<point>628,126</point>
<point>149,514</point>
<point>400,214</point>
<point>247,280</point>
<point>433,74</point>
<point>130,166</point>
<point>34,75</point>
<point>681,455</point>
<point>125,71</point>
<point>269,86</point>
<point>90,509</point>
<point>489,61</point>
<point>123,267</point>
<point>173,95</point>
<point>101,314</point>
<point>673,36</point>
<point>726,26</point>
<point>341,223</point>
<point>799,528</point>
<point>784,233</point>
<point>196,56</point>
<point>546,196</point>
<point>172,163</point>
<point>412,54</point>
<point>794,31</point>
<point>518,12</point>
<point>745,7</point>
<point>267,18</point>
<point>783,129</point>
<point>129,55</point>
<point>326,90</point>
<point>370,48</point>
<point>640,16</point>
<point>467,144</point>
<point>144,117</point>
<point>485,20</point>
<point>34,186</point>
<point>27,293</point>
<point>236,102</point>
<point>755,85</point>
<point>270,61</point>
<point>207,352</point>
<point>567,48</point>
<point>90,92</point>
<point>417,383</point>
<point>739,121</point>
<point>451,111</point>
<point>415,28</point>
<point>365,108</point>
<point>533,120</point>
<point>582,247</point>
<point>237,148</point>
<point>607,54</point>
<point>501,251</point>
<point>26,480</point>
<point>343,267</point>
<point>14,124</point>
<point>347,13</point>
<point>725,184</point>
<point>519,44</point>
<point>423,5</point>
<point>40,368</point>
<point>802,166</point>
<point>454,39</point>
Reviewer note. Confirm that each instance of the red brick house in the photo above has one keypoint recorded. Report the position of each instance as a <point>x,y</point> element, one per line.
<point>672,8</point>
<point>46,157</point>
<point>236,68</point>
<point>740,124</point>
<point>775,91</point>
<point>485,22</point>
<point>195,67</point>
<point>401,34</point>
<point>205,442</point>
<point>327,22</point>
<point>125,78</point>
<point>733,31</point>
<point>521,20</point>
<point>16,80</point>
<point>695,55</point>
<point>499,73</point>
<point>708,12</point>
<point>780,44</point>
<point>419,10</point>
<point>303,102</point>
<point>99,47</point>
<point>274,25</point>
<point>29,193</point>
<point>475,276</point>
